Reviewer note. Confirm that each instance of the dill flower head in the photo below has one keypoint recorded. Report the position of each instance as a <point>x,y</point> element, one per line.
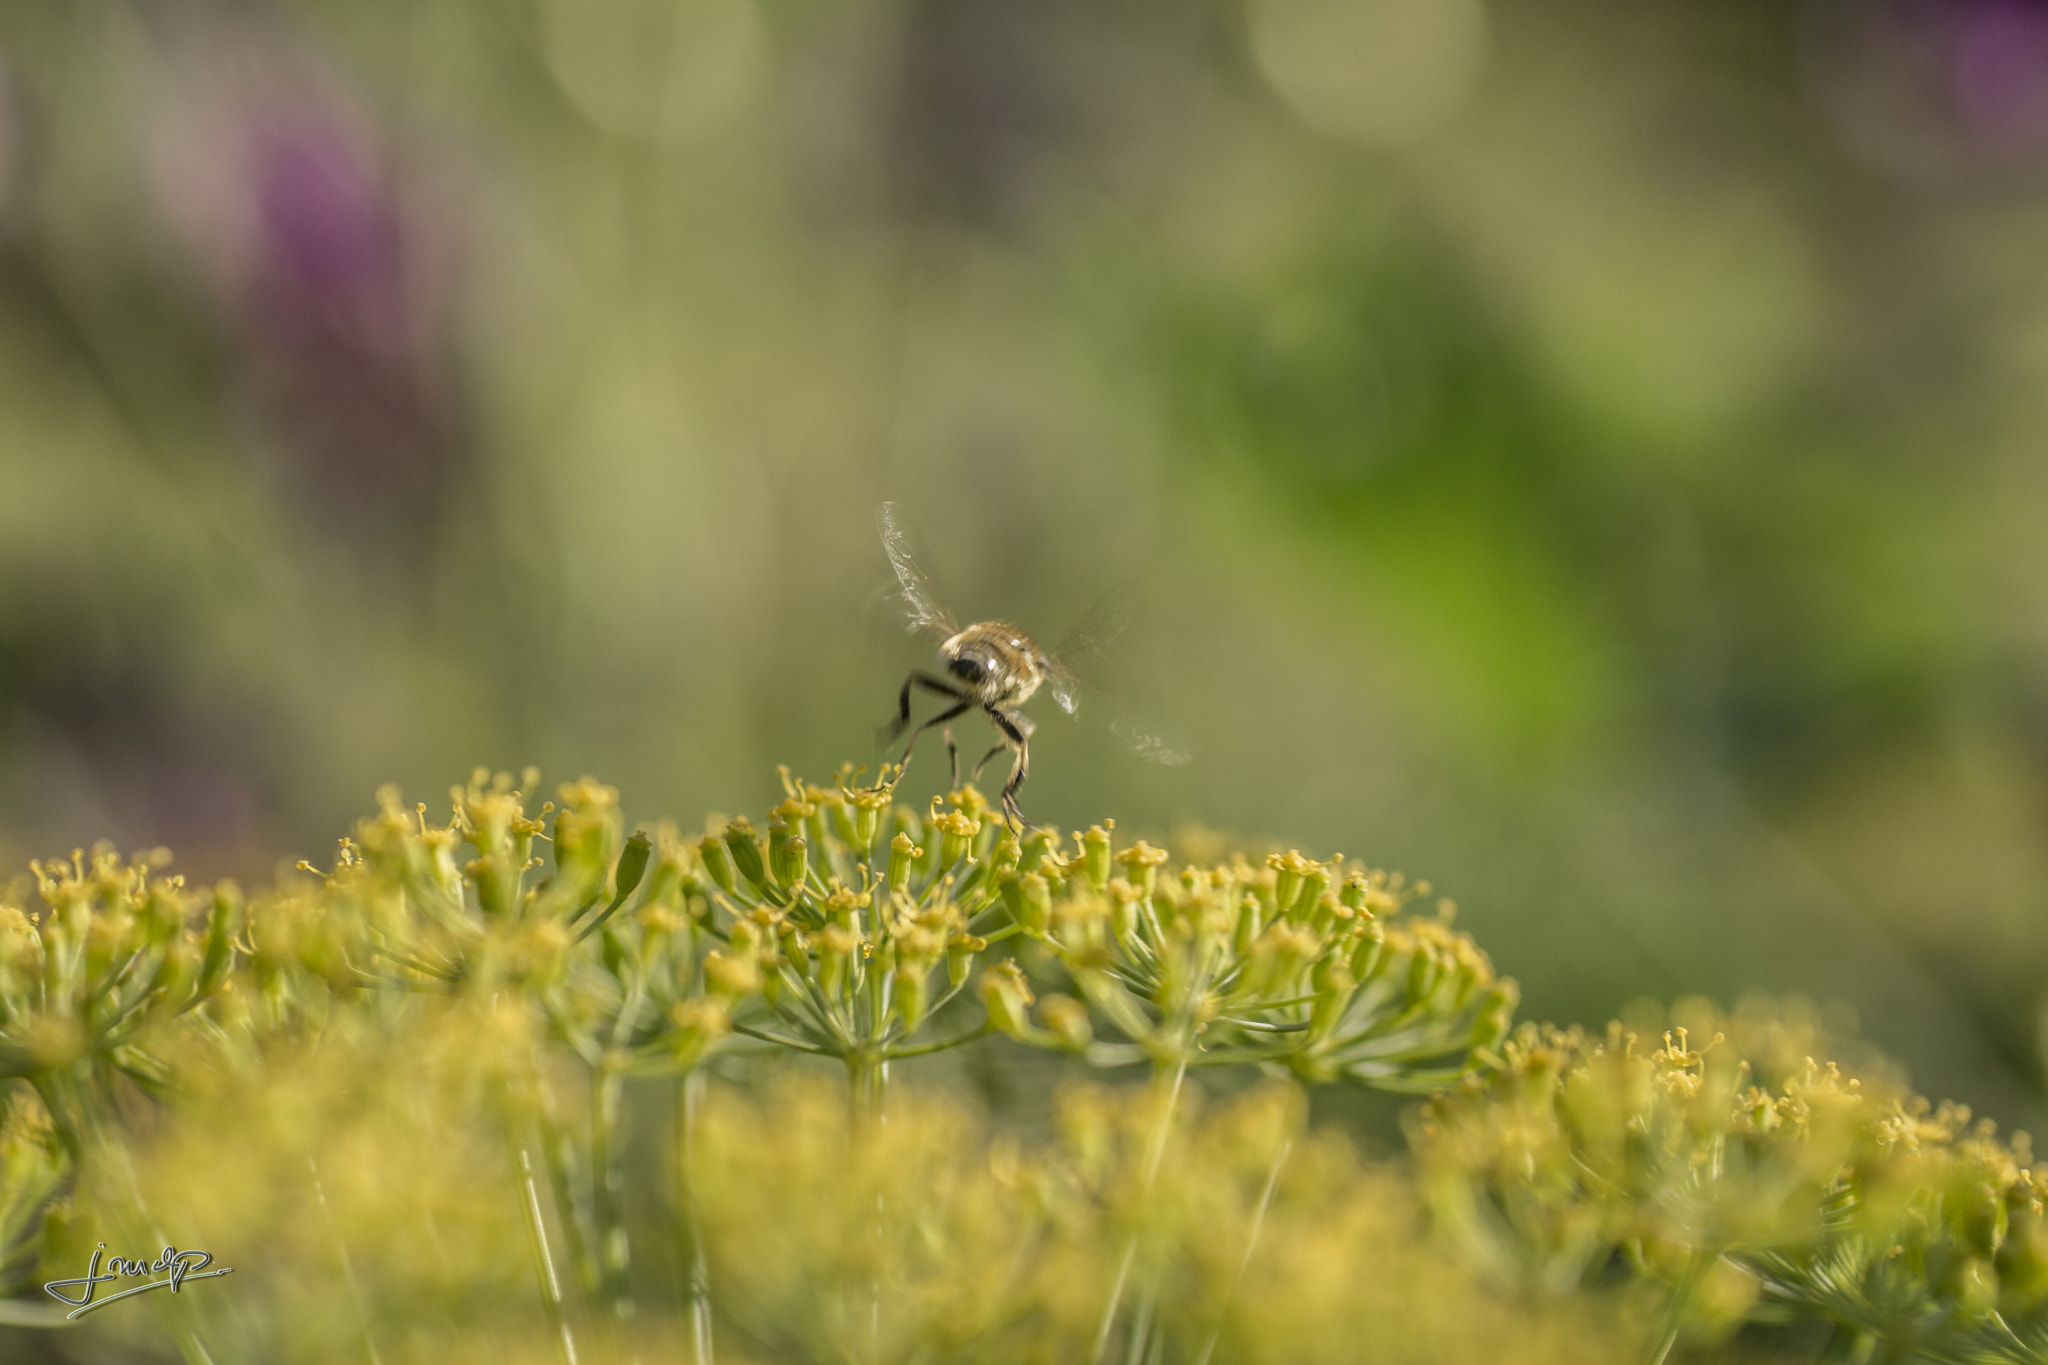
<point>1311,966</point>
<point>359,1175</point>
<point>529,1073</point>
<point>91,980</point>
<point>1728,1165</point>
<point>1257,1242</point>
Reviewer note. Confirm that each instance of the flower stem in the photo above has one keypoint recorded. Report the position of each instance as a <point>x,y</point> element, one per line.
<point>1251,1240</point>
<point>543,1262</point>
<point>689,1095</point>
<point>1166,1091</point>
<point>867,1076</point>
<point>1696,1268</point>
<point>608,1183</point>
<point>348,1269</point>
<point>558,1154</point>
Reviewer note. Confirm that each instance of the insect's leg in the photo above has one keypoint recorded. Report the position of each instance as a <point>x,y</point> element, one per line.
<point>895,728</point>
<point>1017,731</point>
<point>953,757</point>
<point>902,721</point>
<point>955,709</point>
<point>893,731</point>
<point>975,776</point>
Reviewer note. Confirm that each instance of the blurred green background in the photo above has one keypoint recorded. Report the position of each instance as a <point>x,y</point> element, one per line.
<point>1586,453</point>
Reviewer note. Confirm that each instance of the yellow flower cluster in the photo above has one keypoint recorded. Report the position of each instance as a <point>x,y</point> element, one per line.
<point>518,1084</point>
<point>1743,1179</point>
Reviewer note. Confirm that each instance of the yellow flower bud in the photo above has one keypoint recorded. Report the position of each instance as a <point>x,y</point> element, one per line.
<point>901,852</point>
<point>717,862</point>
<point>1007,996</point>
<point>1067,1018</point>
<point>1141,865</point>
<point>1095,855</point>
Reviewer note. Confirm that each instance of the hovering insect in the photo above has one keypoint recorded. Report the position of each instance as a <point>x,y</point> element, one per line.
<point>993,667</point>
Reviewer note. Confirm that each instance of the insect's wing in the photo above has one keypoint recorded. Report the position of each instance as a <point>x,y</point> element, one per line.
<point>1064,686</point>
<point>1151,747</point>
<point>920,602</point>
<point>1080,665</point>
<point>1085,649</point>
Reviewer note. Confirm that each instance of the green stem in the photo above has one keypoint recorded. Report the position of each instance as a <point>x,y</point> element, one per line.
<point>105,1148</point>
<point>70,1107</point>
<point>1836,1347</point>
<point>607,1185</point>
<point>689,1096</point>
<point>1845,1344</point>
<point>1167,1092</point>
<point>558,1154</point>
<point>1696,1268</point>
<point>192,1348</point>
<point>823,1021</point>
<point>867,1077</point>
<point>348,1269</point>
<point>543,1261</point>
<point>926,1049</point>
<point>780,1040</point>
<point>1141,1330</point>
<point>1251,1240</point>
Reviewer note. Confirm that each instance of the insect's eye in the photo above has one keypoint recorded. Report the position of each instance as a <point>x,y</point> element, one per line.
<point>967,668</point>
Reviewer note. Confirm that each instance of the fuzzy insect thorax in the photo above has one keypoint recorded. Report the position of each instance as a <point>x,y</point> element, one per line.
<point>997,660</point>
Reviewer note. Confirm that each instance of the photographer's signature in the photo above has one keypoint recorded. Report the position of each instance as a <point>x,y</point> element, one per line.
<point>174,1265</point>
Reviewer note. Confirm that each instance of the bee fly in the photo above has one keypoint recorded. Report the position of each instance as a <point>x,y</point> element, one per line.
<point>990,666</point>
